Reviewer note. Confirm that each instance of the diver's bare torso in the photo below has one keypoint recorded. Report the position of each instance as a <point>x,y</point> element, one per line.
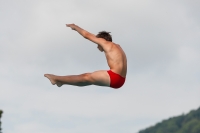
<point>116,60</point>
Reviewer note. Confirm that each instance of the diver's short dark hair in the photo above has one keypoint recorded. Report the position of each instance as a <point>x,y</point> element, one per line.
<point>105,35</point>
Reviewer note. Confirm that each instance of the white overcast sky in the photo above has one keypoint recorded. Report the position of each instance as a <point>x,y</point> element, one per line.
<point>162,43</point>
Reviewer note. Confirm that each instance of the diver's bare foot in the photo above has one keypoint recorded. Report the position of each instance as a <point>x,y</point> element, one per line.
<point>52,79</point>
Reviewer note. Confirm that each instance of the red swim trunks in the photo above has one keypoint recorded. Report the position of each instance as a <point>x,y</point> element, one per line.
<point>116,80</point>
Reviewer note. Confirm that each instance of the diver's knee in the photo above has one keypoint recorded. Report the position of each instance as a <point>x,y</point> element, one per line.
<point>87,77</point>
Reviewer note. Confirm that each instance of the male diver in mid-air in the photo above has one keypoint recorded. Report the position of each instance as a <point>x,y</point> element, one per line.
<point>116,58</point>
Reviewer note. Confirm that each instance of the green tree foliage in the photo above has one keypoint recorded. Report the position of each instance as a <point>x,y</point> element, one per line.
<point>189,123</point>
<point>0,119</point>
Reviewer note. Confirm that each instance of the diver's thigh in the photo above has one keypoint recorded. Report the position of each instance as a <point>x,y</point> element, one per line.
<point>100,78</point>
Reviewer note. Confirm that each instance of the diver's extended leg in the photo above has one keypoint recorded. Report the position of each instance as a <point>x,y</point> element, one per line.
<point>100,78</point>
<point>77,80</point>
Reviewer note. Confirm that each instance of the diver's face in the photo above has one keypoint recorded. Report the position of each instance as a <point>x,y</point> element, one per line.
<point>100,48</point>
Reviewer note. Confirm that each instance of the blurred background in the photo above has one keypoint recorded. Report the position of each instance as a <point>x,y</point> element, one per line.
<point>161,41</point>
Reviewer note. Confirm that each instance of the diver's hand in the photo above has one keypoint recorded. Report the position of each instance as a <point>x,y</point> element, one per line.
<point>72,26</point>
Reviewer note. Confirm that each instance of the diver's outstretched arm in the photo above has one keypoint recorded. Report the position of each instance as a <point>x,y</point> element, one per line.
<point>106,45</point>
<point>78,29</point>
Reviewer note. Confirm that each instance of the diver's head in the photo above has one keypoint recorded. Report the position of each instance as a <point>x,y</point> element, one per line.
<point>105,35</point>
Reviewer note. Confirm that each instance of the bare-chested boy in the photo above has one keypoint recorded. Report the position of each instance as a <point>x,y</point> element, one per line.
<point>116,58</point>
